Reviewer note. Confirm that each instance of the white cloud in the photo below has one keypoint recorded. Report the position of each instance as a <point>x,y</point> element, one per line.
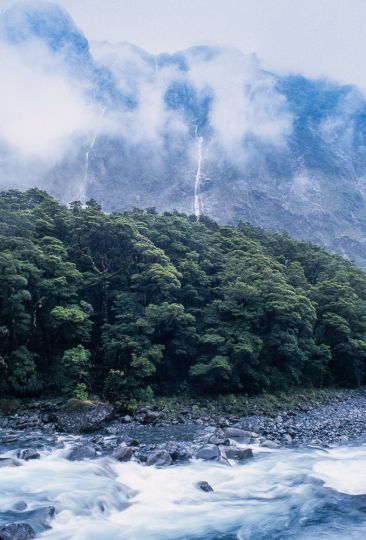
<point>318,38</point>
<point>245,102</point>
<point>42,108</point>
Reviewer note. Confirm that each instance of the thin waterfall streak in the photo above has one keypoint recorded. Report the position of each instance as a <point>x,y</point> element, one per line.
<point>83,187</point>
<point>197,183</point>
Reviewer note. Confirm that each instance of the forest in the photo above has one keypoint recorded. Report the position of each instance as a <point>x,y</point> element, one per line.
<point>129,305</point>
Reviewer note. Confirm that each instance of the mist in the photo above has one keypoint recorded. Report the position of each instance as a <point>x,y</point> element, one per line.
<point>51,107</point>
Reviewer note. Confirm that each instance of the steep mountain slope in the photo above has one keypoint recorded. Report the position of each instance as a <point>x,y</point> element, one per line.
<point>204,130</point>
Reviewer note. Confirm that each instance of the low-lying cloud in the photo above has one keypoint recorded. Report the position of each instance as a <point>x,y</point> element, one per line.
<point>49,112</point>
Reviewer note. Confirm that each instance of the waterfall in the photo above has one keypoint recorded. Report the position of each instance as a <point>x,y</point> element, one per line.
<point>197,183</point>
<point>84,184</point>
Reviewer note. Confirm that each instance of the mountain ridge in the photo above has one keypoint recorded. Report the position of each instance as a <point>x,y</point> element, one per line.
<point>282,152</point>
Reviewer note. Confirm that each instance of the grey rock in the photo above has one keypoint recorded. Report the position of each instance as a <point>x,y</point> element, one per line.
<point>132,442</point>
<point>17,531</point>
<point>28,453</point>
<point>82,452</point>
<point>159,458</point>
<point>204,486</point>
<point>217,439</point>
<point>239,434</point>
<point>150,417</point>
<point>123,453</point>
<point>78,416</point>
<point>232,452</point>
<point>269,444</point>
<point>208,452</point>
<point>20,506</point>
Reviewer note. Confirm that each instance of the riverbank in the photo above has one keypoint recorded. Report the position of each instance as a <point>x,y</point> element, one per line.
<point>318,417</point>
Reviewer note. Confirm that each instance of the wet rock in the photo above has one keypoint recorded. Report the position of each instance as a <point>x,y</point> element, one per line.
<point>141,457</point>
<point>20,506</point>
<point>239,434</point>
<point>82,452</point>
<point>208,452</point>
<point>150,417</point>
<point>132,442</point>
<point>232,452</point>
<point>287,438</point>
<point>269,444</point>
<point>204,486</point>
<point>123,453</point>
<point>80,416</point>
<point>217,439</point>
<point>28,453</point>
<point>160,458</point>
<point>223,422</point>
<point>17,531</point>
<point>178,452</point>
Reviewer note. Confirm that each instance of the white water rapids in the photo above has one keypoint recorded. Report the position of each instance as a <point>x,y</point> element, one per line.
<point>282,494</point>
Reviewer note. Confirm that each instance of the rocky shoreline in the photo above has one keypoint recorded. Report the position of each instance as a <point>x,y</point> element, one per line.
<point>333,418</point>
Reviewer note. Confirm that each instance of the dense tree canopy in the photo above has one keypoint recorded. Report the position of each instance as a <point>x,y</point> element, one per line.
<point>127,304</point>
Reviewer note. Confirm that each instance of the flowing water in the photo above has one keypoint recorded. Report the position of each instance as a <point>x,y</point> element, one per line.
<point>84,184</point>
<point>198,178</point>
<point>302,494</point>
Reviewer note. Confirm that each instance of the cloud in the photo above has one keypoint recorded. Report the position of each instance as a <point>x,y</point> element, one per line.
<point>51,111</point>
<point>245,101</point>
<point>42,108</point>
<point>139,77</point>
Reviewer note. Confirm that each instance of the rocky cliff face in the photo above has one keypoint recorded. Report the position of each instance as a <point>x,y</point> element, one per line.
<point>202,131</point>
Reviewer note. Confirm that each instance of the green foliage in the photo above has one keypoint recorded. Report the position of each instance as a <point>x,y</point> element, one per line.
<point>135,304</point>
<point>75,372</point>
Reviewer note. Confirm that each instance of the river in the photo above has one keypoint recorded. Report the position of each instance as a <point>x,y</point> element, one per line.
<point>302,494</point>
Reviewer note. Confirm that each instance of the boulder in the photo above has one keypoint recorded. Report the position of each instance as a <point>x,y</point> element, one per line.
<point>218,439</point>
<point>178,452</point>
<point>122,453</point>
<point>239,434</point>
<point>269,444</point>
<point>132,442</point>
<point>28,453</point>
<point>232,452</point>
<point>17,531</point>
<point>159,458</point>
<point>204,486</point>
<point>150,417</point>
<point>20,506</point>
<point>208,452</point>
<point>82,452</point>
<point>80,416</point>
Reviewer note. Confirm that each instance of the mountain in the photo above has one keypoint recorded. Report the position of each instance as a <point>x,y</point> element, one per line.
<point>205,130</point>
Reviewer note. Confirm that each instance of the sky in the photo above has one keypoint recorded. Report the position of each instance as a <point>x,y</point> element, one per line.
<point>319,38</point>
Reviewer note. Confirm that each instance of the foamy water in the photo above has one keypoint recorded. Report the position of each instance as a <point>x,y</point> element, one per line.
<point>283,494</point>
